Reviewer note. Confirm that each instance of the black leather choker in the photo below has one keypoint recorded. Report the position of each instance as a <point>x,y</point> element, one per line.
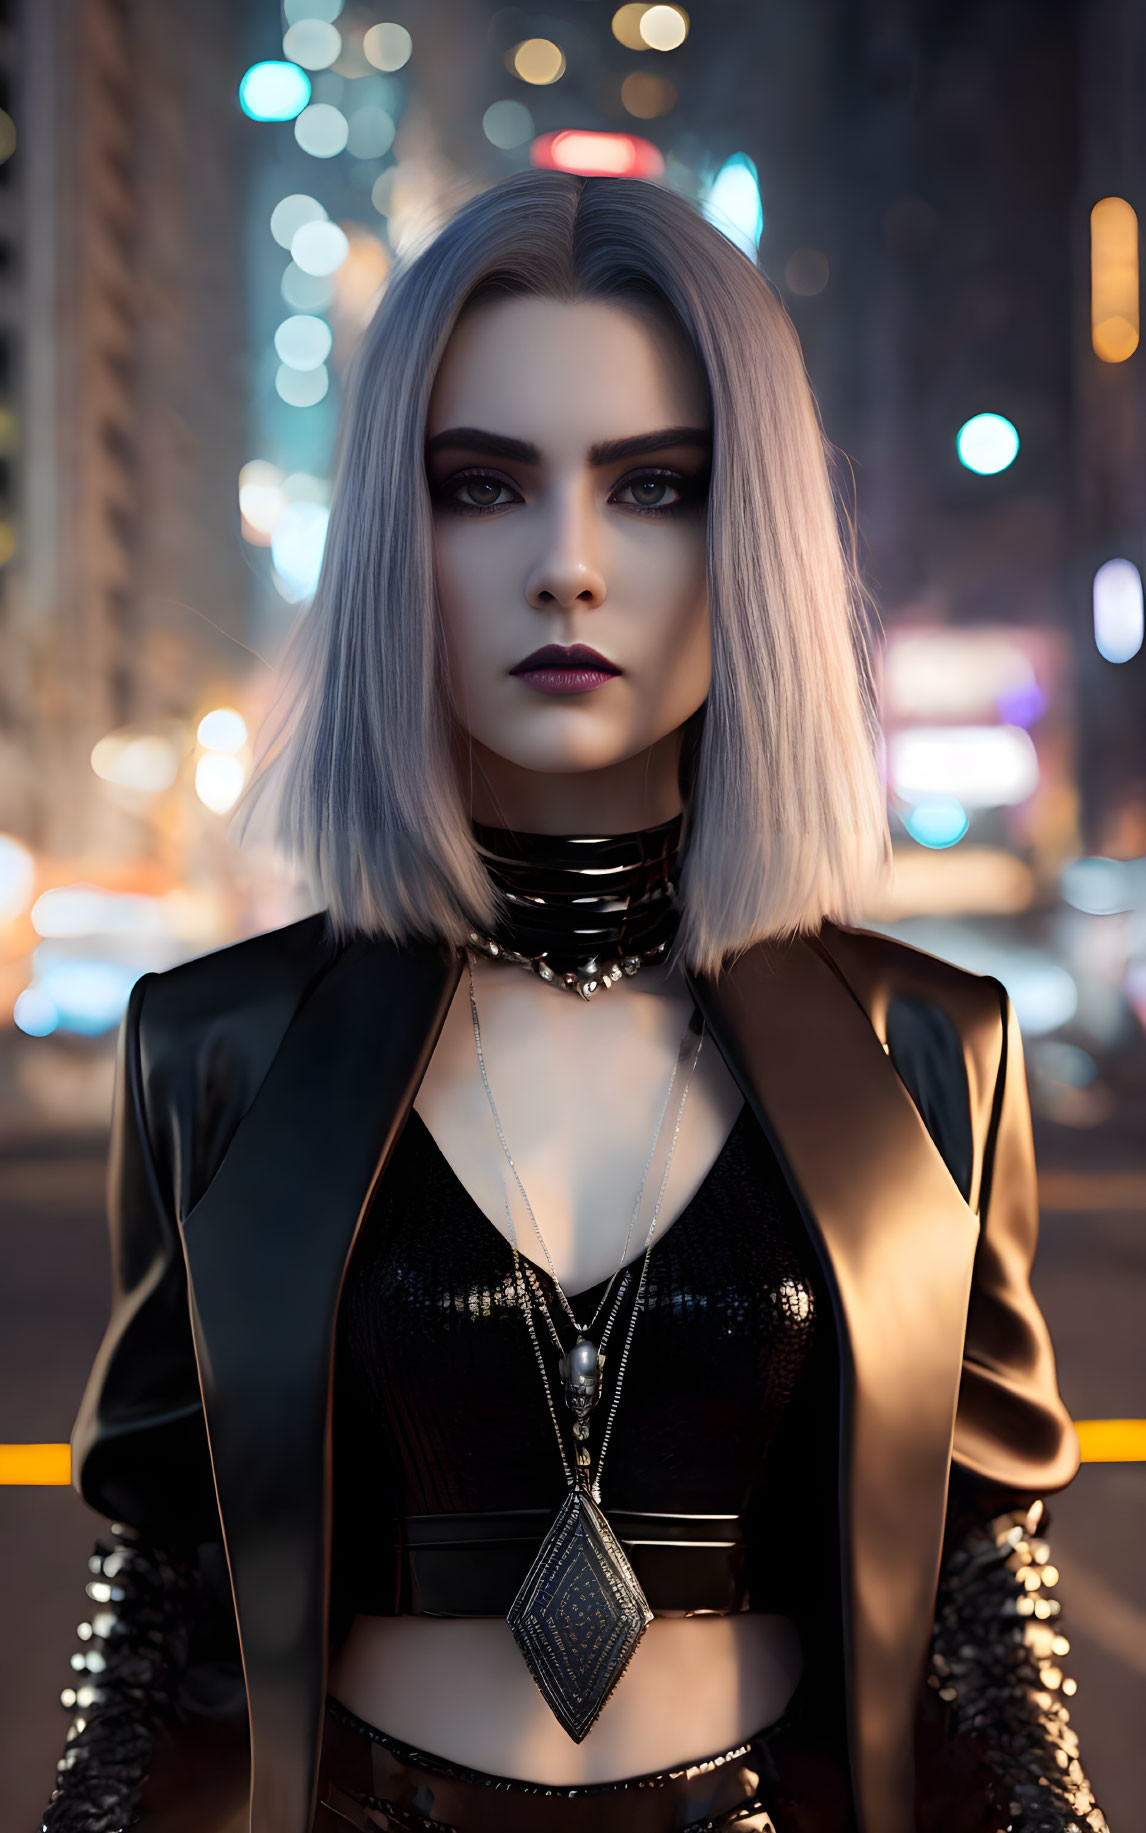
<point>582,909</point>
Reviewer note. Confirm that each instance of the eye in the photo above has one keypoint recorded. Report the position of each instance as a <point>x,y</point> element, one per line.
<point>658,492</point>
<point>475,492</point>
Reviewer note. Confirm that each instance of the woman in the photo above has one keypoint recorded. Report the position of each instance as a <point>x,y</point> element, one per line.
<point>569,1384</point>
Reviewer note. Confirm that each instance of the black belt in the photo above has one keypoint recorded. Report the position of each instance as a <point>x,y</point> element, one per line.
<point>472,1565</point>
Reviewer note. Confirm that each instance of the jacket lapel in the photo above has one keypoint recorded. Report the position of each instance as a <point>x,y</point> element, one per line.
<point>897,1243</point>
<point>266,1247</point>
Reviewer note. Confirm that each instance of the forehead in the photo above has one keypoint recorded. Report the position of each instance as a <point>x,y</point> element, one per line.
<point>566,374</point>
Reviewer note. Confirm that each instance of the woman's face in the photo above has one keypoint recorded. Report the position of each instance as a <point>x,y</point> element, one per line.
<point>568,451</point>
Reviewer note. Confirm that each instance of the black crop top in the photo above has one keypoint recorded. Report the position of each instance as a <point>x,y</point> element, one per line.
<point>443,1438</point>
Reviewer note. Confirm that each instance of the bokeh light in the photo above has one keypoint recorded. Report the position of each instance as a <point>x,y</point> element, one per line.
<point>17,876</point>
<point>387,46</point>
<point>302,387</point>
<point>1114,302</point>
<point>987,443</point>
<point>663,28</point>
<point>580,150</point>
<point>806,272</point>
<point>1118,611</point>
<point>319,248</point>
<point>143,761</point>
<point>313,43</point>
<point>537,60</point>
<point>981,766</point>
<point>222,729</point>
<point>507,124</point>
<point>1100,887</point>
<point>274,91</point>
<point>937,824</point>
<point>295,11</point>
<point>734,204</point>
<point>290,213</point>
<point>627,26</point>
<point>260,500</point>
<point>89,995</point>
<point>297,548</point>
<point>218,781</point>
<point>35,1014</point>
<point>322,130</point>
<point>306,292</point>
<point>304,342</point>
<point>371,133</point>
<point>646,96</point>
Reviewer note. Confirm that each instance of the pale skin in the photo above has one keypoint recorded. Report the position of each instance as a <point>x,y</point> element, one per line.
<point>559,546</point>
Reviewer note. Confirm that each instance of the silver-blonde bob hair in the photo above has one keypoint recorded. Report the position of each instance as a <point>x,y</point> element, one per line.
<point>785,822</point>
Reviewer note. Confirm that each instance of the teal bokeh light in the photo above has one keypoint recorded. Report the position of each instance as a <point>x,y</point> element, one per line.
<point>937,824</point>
<point>987,443</point>
<point>274,91</point>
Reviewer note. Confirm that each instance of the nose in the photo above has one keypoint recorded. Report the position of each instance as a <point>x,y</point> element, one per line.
<point>567,572</point>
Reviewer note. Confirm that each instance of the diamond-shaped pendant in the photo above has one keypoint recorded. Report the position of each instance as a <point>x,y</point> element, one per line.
<point>579,1614</point>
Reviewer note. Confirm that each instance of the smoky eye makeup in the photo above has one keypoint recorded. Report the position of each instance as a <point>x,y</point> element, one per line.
<point>647,490</point>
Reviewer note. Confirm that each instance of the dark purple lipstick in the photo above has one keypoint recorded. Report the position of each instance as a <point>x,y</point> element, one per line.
<point>576,670</point>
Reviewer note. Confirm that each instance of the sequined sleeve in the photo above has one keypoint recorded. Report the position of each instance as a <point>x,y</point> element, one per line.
<point>132,1654</point>
<point>997,1656</point>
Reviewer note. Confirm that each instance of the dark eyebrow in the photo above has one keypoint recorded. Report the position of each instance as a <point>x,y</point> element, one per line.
<point>608,452</point>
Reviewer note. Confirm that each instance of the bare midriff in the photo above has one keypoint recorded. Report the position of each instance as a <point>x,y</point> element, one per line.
<point>459,1687</point>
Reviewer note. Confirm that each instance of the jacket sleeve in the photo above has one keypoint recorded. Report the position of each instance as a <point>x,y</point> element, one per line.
<point>1013,1436</point>
<point>159,1647</point>
<point>139,1446</point>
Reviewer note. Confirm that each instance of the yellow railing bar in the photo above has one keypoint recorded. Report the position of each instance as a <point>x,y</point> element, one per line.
<point>1103,1441</point>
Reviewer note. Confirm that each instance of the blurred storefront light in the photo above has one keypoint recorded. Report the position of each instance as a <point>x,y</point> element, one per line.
<point>82,910</point>
<point>222,729</point>
<point>536,60</point>
<point>359,284</point>
<point>959,674</point>
<point>274,91</point>
<point>322,130</point>
<point>17,876</point>
<point>983,766</point>
<point>507,125</point>
<point>387,46</point>
<point>290,213</point>
<point>218,781</point>
<point>313,43</point>
<point>578,150</point>
<point>987,444</point>
<point>319,247</point>
<point>1118,610</point>
<point>302,387</point>
<point>303,342</point>
<point>734,204</point>
<point>145,762</point>
<point>1114,306</point>
<point>937,824</point>
<point>663,28</point>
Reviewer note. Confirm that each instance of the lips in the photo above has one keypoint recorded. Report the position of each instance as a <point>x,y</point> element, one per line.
<point>579,655</point>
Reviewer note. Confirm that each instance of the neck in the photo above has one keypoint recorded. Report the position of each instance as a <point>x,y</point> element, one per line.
<point>638,792</point>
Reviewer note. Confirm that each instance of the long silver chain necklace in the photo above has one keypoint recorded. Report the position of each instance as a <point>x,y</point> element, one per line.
<point>580,1611</point>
